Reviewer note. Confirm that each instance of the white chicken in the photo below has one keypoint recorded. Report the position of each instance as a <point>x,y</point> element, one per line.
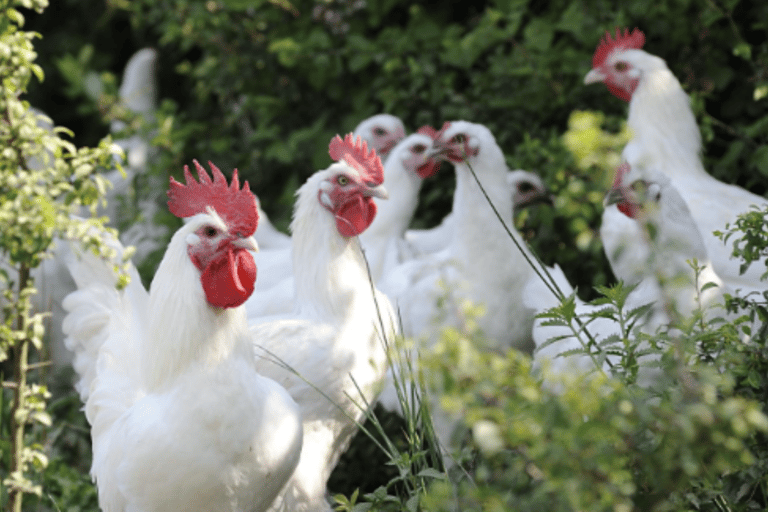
<point>409,163</point>
<point>138,94</point>
<point>670,239</point>
<point>382,132</point>
<point>526,188</point>
<point>330,353</point>
<point>666,138</point>
<point>180,418</point>
<point>481,264</point>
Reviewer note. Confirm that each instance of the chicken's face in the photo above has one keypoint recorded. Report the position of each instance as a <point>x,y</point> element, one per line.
<point>416,155</point>
<point>382,132</point>
<point>527,189</point>
<point>227,269</point>
<point>349,198</point>
<point>633,195</point>
<point>219,233</point>
<point>613,63</point>
<point>458,141</point>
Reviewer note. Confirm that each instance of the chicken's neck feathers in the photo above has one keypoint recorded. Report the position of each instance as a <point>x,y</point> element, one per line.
<point>329,270</point>
<point>394,215</point>
<point>477,226</point>
<point>665,134</point>
<point>183,328</point>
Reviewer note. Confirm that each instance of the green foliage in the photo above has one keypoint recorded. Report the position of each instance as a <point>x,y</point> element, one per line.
<point>43,179</point>
<point>751,238</point>
<point>598,442</point>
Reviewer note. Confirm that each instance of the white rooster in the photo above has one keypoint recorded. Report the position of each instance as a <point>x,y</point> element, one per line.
<point>409,163</point>
<point>666,138</point>
<point>180,418</point>
<point>670,239</point>
<point>337,335</point>
<point>382,132</point>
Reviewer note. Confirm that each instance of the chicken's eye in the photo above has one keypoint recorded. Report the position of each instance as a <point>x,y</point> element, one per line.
<point>419,148</point>
<point>210,232</point>
<point>621,66</point>
<point>342,180</point>
<point>524,187</point>
<point>379,131</point>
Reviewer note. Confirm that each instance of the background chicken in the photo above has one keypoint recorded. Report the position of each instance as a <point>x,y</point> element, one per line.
<point>330,354</point>
<point>670,242</point>
<point>665,138</point>
<point>382,132</point>
<point>410,162</point>
<point>180,418</point>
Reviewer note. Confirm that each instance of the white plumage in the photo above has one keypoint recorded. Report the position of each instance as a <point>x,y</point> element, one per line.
<point>180,418</point>
<point>669,240</point>
<point>525,187</point>
<point>666,138</point>
<point>337,334</point>
<point>409,163</point>
<point>480,264</point>
<point>381,132</point>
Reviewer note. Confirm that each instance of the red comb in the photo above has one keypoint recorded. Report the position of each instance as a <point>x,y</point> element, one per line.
<point>354,151</point>
<point>634,40</point>
<point>429,131</point>
<point>236,206</point>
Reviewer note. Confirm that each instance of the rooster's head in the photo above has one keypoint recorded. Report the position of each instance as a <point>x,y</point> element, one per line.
<point>224,218</point>
<point>612,63</point>
<point>351,183</point>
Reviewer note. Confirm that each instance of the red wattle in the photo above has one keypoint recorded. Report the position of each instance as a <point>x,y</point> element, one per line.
<point>428,169</point>
<point>229,279</point>
<point>627,209</point>
<point>355,216</point>
<point>621,92</point>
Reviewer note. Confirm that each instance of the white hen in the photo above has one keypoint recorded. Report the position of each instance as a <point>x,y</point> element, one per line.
<point>666,138</point>
<point>382,132</point>
<point>180,418</point>
<point>670,239</point>
<point>481,263</point>
<point>336,337</point>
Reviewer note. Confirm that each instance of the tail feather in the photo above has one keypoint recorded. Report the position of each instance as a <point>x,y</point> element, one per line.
<point>103,327</point>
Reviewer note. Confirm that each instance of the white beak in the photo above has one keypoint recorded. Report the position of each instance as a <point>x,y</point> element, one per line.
<point>594,76</point>
<point>377,191</point>
<point>247,243</point>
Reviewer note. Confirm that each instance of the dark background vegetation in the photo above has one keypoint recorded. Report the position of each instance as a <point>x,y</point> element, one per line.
<point>263,86</point>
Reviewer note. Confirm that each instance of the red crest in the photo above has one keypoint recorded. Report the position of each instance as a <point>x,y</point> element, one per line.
<point>428,131</point>
<point>627,40</point>
<point>236,206</point>
<point>354,151</point>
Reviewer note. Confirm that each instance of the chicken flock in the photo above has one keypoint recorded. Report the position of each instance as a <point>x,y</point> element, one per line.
<point>239,378</point>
